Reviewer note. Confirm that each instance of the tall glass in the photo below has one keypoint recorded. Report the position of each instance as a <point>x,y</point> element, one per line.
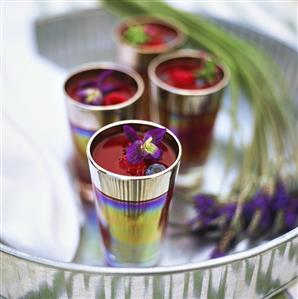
<point>189,113</point>
<point>132,210</point>
<point>85,119</point>
<point>138,57</point>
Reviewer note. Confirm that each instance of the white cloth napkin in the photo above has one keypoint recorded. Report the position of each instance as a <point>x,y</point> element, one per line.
<point>39,212</point>
<point>39,207</point>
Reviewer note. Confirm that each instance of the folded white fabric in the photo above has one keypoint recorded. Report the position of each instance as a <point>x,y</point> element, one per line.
<point>39,212</point>
<point>39,206</point>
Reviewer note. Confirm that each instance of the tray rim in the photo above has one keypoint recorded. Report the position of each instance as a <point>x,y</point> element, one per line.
<point>161,270</point>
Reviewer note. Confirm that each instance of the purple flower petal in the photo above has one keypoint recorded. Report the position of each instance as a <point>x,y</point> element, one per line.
<point>156,134</point>
<point>134,153</point>
<point>108,87</point>
<point>156,154</point>
<point>103,76</point>
<point>151,149</point>
<point>130,133</point>
<point>87,83</point>
<point>145,148</point>
<point>90,96</point>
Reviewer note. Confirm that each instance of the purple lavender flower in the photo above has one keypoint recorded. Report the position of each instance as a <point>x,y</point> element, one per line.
<point>204,203</point>
<point>262,202</point>
<point>280,198</point>
<point>210,212</point>
<point>258,206</point>
<point>216,253</point>
<point>291,213</point>
<point>227,239</point>
<point>92,92</point>
<point>228,211</point>
<point>144,148</point>
<point>261,214</point>
<point>207,210</point>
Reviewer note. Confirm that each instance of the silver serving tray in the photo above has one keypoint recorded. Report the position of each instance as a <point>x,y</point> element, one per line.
<point>251,271</point>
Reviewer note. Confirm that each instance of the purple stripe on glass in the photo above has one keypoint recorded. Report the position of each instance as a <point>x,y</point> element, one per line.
<point>81,131</point>
<point>137,205</point>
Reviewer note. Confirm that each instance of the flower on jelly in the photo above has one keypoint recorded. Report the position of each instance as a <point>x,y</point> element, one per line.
<point>136,35</point>
<point>144,148</point>
<point>90,95</point>
<point>93,92</point>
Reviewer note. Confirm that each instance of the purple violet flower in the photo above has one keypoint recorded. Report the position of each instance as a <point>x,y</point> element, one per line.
<point>92,92</point>
<point>144,148</point>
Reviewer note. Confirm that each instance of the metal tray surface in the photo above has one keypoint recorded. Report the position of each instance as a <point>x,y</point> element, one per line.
<point>251,271</point>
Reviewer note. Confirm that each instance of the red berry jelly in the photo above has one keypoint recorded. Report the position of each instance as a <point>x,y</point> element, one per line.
<point>101,87</point>
<point>110,155</point>
<point>189,73</point>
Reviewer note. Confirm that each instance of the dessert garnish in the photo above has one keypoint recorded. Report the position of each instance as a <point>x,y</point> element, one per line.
<point>146,148</point>
<point>100,91</point>
<point>184,77</point>
<point>136,35</point>
<point>208,71</point>
<point>146,34</point>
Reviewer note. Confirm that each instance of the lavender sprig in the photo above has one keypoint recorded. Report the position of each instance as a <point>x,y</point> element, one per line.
<point>264,214</point>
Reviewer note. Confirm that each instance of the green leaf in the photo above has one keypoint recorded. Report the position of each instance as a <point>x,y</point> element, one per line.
<point>208,72</point>
<point>136,35</point>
